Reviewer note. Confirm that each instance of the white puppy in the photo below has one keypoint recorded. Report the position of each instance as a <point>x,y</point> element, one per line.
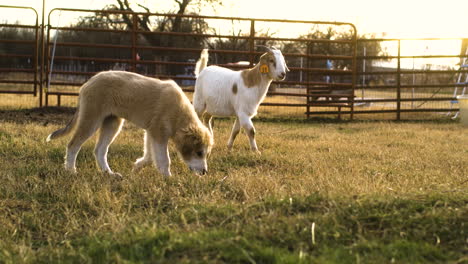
<point>159,107</point>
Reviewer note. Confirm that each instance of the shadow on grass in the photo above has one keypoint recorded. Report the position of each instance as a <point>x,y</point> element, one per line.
<point>60,115</point>
<point>41,115</point>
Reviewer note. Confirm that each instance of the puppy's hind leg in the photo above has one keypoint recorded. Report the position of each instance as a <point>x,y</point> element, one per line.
<point>85,129</point>
<point>110,128</point>
<point>208,121</point>
<point>146,159</point>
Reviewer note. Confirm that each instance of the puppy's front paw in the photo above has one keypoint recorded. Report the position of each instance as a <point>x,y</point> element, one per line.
<point>139,164</point>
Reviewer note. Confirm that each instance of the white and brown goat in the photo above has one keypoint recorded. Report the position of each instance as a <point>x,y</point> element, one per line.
<point>223,92</point>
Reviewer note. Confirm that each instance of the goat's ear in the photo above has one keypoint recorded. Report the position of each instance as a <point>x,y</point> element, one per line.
<point>263,57</point>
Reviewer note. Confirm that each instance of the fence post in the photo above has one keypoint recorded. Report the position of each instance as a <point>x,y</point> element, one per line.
<point>46,63</point>
<point>41,73</point>
<point>134,41</point>
<point>354,69</point>
<point>308,92</point>
<point>398,117</point>
<point>252,43</point>
<point>36,57</point>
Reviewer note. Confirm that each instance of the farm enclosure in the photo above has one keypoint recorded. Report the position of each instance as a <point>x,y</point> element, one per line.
<point>355,192</point>
<point>332,71</point>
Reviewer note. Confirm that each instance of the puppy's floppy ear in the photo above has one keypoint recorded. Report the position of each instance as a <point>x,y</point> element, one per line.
<point>192,133</point>
<point>182,135</point>
<point>188,132</point>
<point>185,130</point>
<point>203,135</point>
<point>196,135</point>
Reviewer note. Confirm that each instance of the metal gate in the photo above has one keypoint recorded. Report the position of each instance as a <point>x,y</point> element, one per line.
<point>19,70</point>
<point>172,54</point>
<point>331,73</point>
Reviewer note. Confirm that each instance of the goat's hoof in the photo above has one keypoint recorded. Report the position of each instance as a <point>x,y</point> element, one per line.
<point>136,168</point>
<point>166,174</point>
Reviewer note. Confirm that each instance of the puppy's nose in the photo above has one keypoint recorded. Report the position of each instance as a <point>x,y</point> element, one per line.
<point>204,171</point>
<point>282,75</point>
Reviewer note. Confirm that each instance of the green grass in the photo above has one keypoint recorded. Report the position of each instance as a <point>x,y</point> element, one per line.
<point>341,192</point>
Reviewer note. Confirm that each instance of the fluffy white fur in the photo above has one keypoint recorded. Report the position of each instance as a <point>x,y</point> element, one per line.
<point>222,92</point>
<point>159,107</point>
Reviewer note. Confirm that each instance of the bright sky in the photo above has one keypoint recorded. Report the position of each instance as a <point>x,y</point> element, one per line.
<point>395,18</point>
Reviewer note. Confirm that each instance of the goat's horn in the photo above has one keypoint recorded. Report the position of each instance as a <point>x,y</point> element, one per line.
<point>267,48</point>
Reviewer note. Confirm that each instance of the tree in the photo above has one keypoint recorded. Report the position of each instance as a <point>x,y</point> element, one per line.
<point>331,48</point>
<point>171,24</point>
<point>113,18</point>
<point>238,42</point>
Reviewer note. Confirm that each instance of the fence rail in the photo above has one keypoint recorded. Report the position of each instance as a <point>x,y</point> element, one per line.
<point>328,76</point>
<point>32,55</point>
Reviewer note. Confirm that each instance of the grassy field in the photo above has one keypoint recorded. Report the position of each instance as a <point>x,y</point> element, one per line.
<point>320,192</point>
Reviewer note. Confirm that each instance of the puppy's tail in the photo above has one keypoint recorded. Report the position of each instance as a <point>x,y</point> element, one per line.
<point>65,130</point>
<point>201,63</point>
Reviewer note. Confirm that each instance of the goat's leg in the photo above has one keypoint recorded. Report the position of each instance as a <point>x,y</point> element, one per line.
<point>208,120</point>
<point>234,133</point>
<point>246,123</point>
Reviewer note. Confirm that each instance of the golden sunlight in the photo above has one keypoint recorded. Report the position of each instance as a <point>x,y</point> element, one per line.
<point>393,19</point>
<point>380,18</point>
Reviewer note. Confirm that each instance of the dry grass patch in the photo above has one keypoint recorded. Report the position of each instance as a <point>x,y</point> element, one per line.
<point>376,191</point>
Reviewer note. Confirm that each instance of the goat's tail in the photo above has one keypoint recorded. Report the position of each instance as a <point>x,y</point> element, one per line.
<point>202,62</point>
<point>65,130</point>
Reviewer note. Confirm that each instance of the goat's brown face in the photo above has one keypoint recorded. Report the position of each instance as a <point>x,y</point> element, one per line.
<point>276,65</point>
